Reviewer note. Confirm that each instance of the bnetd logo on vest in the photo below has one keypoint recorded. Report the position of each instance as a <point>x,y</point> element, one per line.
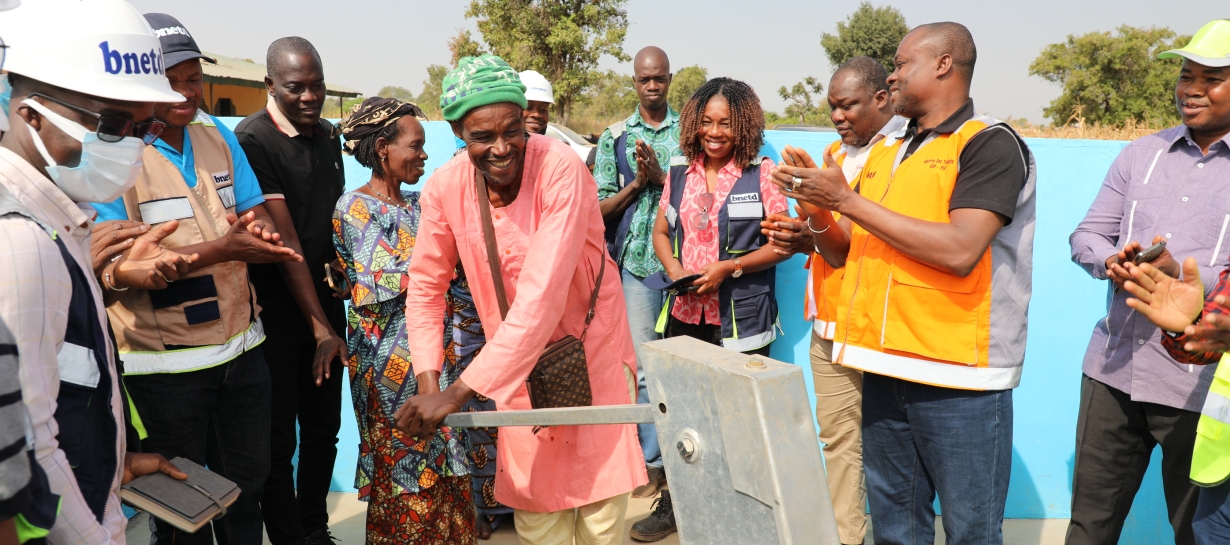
<point>116,61</point>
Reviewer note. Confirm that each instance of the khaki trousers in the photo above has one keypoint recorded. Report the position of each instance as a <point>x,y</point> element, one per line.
<point>839,411</point>
<point>599,523</point>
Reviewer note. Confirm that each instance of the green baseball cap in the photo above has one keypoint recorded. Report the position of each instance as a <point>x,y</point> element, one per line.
<point>1210,46</point>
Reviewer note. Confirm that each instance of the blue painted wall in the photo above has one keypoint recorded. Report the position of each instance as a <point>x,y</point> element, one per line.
<point>1066,303</point>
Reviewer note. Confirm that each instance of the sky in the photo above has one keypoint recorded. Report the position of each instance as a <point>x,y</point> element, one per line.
<point>368,44</point>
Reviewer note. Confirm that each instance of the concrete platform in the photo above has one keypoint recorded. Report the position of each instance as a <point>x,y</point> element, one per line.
<point>348,515</point>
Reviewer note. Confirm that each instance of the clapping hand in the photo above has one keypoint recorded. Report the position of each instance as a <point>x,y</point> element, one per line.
<point>647,166</point>
<point>819,189</point>
<point>786,234</point>
<point>255,241</point>
<point>1212,334</point>
<point>109,239</point>
<point>149,266</point>
<point>1170,303</point>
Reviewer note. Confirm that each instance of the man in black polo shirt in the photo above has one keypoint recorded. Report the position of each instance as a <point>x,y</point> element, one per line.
<point>298,161</point>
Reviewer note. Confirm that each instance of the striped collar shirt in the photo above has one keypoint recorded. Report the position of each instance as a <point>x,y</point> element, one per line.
<point>35,292</point>
<point>1160,185</point>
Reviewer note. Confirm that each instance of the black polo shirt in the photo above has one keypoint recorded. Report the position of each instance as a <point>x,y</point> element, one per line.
<point>306,171</point>
<point>991,169</point>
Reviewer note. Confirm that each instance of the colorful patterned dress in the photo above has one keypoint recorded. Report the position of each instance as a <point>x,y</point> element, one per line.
<point>417,493</point>
<point>468,339</point>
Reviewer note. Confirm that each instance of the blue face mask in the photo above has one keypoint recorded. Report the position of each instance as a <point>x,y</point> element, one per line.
<point>6,93</point>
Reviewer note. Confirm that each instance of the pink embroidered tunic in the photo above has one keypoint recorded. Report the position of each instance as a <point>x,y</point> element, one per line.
<point>551,244</point>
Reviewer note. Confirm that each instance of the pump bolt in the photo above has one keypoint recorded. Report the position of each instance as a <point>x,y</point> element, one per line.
<point>687,448</point>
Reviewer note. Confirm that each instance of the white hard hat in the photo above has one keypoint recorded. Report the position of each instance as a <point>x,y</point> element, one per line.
<point>537,87</point>
<point>103,48</point>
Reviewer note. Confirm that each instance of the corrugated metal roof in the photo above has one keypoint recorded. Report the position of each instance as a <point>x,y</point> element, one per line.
<point>245,73</point>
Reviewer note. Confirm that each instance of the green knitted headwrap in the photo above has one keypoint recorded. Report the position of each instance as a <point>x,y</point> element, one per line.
<point>479,81</point>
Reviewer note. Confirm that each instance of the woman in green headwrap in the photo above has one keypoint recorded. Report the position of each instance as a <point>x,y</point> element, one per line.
<point>418,490</point>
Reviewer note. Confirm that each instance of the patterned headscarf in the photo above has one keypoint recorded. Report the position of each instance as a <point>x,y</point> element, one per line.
<point>479,81</point>
<point>372,116</point>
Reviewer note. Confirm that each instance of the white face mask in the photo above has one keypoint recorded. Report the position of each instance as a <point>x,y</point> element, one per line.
<point>106,169</point>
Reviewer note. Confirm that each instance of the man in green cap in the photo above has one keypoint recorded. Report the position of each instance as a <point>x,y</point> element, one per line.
<point>527,203</point>
<point>1138,391</point>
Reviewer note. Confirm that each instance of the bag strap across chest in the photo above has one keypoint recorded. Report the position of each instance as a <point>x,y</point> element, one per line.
<point>493,256</point>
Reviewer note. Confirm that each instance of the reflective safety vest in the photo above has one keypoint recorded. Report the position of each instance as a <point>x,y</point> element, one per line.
<point>208,317</point>
<point>824,281</point>
<point>1211,455</point>
<point>616,237</point>
<point>748,304</point>
<point>903,318</point>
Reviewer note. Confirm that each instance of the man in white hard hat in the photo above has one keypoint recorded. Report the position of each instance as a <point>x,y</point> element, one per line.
<point>85,77</point>
<point>192,362</point>
<point>540,97</point>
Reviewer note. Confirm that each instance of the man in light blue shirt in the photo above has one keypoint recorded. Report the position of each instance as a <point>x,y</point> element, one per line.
<point>247,189</point>
<point>191,353</point>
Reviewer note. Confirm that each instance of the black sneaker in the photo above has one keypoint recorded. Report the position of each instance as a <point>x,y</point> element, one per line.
<point>320,537</point>
<point>659,524</point>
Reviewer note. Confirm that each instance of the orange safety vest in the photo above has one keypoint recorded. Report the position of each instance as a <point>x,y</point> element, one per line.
<point>824,281</point>
<point>902,318</point>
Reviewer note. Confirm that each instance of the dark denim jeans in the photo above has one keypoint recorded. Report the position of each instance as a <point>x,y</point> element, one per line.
<point>305,417</point>
<point>217,417</point>
<point>1212,522</point>
<point>919,441</point>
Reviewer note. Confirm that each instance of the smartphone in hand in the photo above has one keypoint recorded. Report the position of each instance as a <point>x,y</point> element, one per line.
<point>1150,253</point>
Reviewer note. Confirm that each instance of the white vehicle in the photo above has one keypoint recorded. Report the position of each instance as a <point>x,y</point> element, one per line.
<point>568,136</point>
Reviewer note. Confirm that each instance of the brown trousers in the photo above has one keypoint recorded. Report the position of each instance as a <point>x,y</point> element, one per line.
<point>839,411</point>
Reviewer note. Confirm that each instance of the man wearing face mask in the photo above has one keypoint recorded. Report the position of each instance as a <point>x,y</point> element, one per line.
<point>80,124</point>
<point>191,351</point>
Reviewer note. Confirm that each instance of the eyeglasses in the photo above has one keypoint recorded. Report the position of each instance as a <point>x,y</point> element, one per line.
<point>704,201</point>
<point>113,128</point>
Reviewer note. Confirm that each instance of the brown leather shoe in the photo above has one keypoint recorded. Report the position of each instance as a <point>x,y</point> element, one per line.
<point>657,480</point>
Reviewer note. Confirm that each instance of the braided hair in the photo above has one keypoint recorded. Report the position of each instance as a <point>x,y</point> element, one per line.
<point>746,119</point>
<point>365,149</point>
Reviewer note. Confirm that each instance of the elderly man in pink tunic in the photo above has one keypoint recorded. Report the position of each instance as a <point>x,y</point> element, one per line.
<point>564,482</point>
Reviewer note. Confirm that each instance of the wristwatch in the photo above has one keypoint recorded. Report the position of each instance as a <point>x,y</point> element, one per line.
<point>738,269</point>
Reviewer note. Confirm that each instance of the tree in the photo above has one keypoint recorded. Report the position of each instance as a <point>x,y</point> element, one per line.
<point>801,106</point>
<point>610,98</point>
<point>463,45</point>
<point>561,39</point>
<point>871,31</point>
<point>685,83</point>
<point>1112,78</point>
<point>429,98</point>
<point>397,92</point>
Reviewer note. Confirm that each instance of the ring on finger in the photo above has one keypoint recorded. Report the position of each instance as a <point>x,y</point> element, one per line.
<point>796,182</point>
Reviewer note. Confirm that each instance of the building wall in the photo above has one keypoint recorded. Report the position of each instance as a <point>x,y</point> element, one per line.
<point>247,100</point>
<point>1066,304</point>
